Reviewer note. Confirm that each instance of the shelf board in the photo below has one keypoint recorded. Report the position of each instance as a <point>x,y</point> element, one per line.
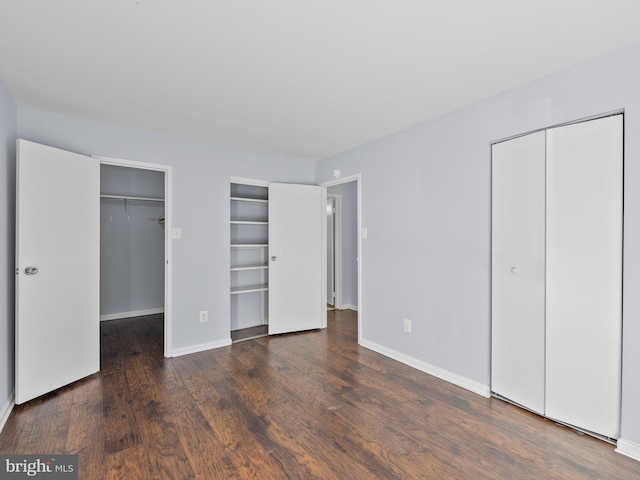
<point>249,245</point>
<point>248,222</point>
<point>127,197</point>
<point>248,200</point>
<point>249,289</point>
<point>249,267</point>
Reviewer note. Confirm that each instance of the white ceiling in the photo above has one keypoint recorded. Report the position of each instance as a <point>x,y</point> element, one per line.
<point>300,77</point>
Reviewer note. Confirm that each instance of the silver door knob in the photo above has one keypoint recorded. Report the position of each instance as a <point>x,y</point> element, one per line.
<point>274,258</point>
<point>31,270</point>
<point>514,269</point>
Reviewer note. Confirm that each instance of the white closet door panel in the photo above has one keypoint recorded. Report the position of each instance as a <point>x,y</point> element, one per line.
<point>584,274</point>
<point>297,264</point>
<point>57,306</point>
<point>518,270</point>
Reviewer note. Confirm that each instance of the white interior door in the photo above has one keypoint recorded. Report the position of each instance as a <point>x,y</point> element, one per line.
<point>518,270</point>
<point>584,274</point>
<point>57,233</point>
<point>297,257</point>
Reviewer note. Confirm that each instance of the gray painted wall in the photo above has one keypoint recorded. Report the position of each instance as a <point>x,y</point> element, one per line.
<point>201,178</point>
<point>427,257</point>
<point>348,192</point>
<point>131,241</point>
<point>8,128</point>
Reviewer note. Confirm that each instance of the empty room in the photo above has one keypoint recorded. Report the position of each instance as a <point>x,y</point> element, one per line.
<point>338,239</point>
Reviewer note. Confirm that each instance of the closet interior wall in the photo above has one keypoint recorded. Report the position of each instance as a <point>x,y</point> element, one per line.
<point>131,242</point>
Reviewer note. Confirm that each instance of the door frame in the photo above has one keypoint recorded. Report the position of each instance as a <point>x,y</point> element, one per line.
<point>337,249</point>
<point>358,179</point>
<point>168,209</point>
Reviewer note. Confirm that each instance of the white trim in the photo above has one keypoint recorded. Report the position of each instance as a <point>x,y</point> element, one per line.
<point>337,249</point>
<point>358,179</point>
<point>348,306</point>
<point>454,378</point>
<point>6,410</point>
<point>323,258</point>
<point>629,449</point>
<point>133,313</point>
<point>168,223</point>
<point>178,352</point>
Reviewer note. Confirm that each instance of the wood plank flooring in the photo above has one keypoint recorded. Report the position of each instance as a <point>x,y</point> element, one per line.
<point>301,406</point>
<point>249,333</point>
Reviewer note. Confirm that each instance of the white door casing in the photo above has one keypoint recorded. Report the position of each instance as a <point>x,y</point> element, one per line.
<point>57,232</point>
<point>297,257</point>
<point>168,210</point>
<point>331,252</point>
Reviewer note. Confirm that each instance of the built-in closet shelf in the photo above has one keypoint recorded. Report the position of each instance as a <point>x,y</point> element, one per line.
<point>249,267</point>
<point>249,289</point>
<point>126,197</point>
<point>248,200</point>
<point>249,241</point>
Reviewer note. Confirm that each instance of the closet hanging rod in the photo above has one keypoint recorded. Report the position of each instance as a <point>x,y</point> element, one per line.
<point>125,197</point>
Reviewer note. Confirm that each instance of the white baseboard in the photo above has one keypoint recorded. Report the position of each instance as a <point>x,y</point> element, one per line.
<point>178,352</point>
<point>135,313</point>
<point>348,306</point>
<point>629,449</point>
<point>6,410</point>
<point>464,382</point>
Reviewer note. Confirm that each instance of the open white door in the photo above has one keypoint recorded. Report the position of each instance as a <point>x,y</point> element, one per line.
<point>297,257</point>
<point>57,269</point>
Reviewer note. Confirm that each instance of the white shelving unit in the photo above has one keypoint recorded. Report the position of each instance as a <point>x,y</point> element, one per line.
<point>249,254</point>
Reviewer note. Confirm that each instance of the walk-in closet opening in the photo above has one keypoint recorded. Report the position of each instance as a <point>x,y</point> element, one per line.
<point>132,244</point>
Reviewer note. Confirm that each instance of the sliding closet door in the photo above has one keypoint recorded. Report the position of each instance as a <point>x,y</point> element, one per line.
<point>518,270</point>
<point>584,274</point>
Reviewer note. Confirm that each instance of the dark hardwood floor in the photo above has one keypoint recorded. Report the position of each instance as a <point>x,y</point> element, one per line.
<point>249,333</point>
<point>299,406</point>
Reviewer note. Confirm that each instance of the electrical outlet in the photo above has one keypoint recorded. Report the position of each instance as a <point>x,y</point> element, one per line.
<point>407,325</point>
<point>204,316</point>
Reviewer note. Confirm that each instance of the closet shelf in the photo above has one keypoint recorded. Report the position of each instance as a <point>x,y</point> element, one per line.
<point>249,289</point>
<point>249,245</point>
<point>126,197</point>
<point>247,222</point>
<point>249,267</point>
<point>248,200</point>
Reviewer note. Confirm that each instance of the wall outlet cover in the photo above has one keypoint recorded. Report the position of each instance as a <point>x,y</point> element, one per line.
<point>407,325</point>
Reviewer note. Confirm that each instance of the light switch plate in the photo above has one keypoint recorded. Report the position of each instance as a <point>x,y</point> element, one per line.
<point>176,233</point>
